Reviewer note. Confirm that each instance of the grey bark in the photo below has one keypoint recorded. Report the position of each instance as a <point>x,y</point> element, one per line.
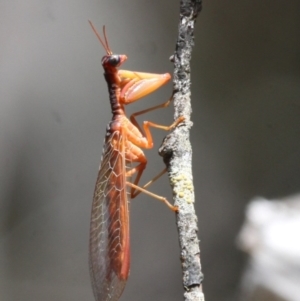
<point>177,154</point>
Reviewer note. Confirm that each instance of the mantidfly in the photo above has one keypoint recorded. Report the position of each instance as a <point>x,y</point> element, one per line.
<point>109,250</point>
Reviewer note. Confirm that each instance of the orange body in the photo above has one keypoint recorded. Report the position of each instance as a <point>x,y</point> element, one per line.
<point>109,250</point>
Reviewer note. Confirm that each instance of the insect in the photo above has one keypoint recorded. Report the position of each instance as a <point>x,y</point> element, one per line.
<point>109,247</point>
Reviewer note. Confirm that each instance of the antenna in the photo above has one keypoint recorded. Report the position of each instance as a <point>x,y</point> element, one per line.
<point>106,42</point>
<point>105,45</point>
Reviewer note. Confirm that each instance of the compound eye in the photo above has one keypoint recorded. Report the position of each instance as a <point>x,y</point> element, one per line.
<point>114,60</point>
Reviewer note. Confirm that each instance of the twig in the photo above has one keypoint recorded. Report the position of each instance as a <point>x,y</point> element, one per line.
<point>177,153</point>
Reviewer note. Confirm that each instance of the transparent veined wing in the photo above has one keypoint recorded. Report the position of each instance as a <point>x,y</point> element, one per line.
<point>109,252</point>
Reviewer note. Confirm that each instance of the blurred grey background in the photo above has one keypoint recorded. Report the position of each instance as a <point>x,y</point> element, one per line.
<point>54,110</point>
